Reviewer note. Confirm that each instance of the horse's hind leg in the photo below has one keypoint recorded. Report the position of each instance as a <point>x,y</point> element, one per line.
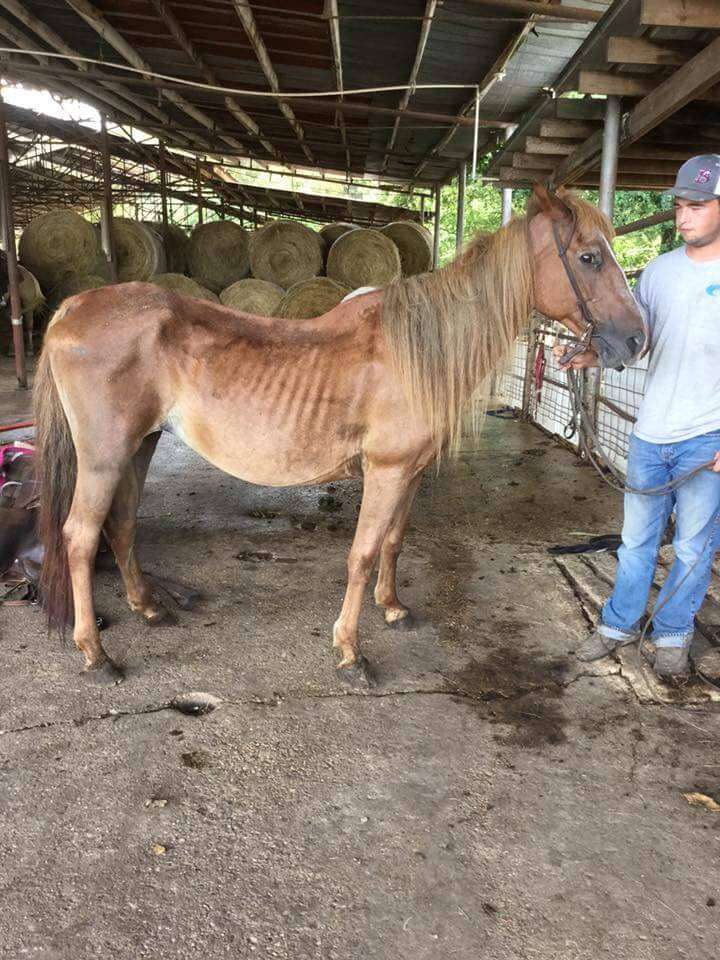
<point>396,614</point>
<point>94,491</point>
<point>383,493</point>
<point>120,527</point>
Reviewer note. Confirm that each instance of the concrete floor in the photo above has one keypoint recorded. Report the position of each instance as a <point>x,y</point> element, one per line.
<point>489,799</point>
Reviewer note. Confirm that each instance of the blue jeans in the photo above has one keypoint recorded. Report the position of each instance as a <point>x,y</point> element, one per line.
<point>697,537</point>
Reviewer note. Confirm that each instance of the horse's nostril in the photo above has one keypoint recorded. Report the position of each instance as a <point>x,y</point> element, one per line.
<point>634,344</point>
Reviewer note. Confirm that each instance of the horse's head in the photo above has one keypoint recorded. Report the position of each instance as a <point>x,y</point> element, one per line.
<point>577,279</point>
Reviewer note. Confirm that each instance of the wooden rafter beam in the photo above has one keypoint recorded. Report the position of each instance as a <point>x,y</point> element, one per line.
<point>247,18</point>
<point>622,85</point>
<point>642,50</point>
<point>573,129</point>
<point>689,82</point>
<point>106,90</point>
<point>427,21</point>
<point>531,8</point>
<point>181,38</point>
<point>695,14</point>
<point>94,18</point>
<point>496,71</point>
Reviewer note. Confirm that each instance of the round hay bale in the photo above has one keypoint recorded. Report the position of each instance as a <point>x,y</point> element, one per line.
<point>218,254</point>
<point>285,253</point>
<point>175,242</point>
<point>185,286</point>
<point>414,244</point>
<point>73,283</point>
<point>331,231</point>
<point>324,249</point>
<point>57,243</point>
<point>31,296</point>
<point>138,249</point>
<point>253,296</point>
<point>311,298</point>
<point>364,258</point>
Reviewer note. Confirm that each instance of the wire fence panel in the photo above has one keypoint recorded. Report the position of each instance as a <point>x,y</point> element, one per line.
<point>618,403</point>
<point>510,383</point>
<point>549,397</point>
<point>542,396</point>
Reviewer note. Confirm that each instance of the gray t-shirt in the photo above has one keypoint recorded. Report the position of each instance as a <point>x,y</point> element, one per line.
<point>681,301</point>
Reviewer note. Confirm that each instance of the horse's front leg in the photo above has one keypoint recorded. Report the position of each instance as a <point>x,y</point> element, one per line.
<point>396,614</point>
<point>384,491</point>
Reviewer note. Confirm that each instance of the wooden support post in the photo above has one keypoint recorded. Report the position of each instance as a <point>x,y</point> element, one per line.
<point>107,237</point>
<point>16,318</point>
<point>198,184</point>
<point>460,219</point>
<point>436,232</point>
<point>163,185</point>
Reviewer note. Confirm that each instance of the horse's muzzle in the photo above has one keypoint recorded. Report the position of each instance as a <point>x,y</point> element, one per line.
<point>616,351</point>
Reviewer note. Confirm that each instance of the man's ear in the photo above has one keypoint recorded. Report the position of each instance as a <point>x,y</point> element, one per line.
<point>551,204</point>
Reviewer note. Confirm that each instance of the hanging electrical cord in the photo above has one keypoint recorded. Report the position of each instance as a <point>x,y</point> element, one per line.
<point>271,94</point>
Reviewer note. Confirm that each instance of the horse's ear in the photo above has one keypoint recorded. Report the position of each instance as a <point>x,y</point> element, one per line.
<point>550,203</point>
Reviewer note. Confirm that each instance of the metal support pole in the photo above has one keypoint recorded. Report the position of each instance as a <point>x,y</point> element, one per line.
<point>460,220</point>
<point>163,185</point>
<point>107,237</point>
<point>592,385</point>
<point>610,150</point>
<point>199,190</point>
<point>507,193</point>
<point>436,234</point>
<point>16,317</point>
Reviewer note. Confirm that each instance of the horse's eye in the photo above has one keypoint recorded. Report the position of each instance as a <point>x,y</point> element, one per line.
<point>587,258</point>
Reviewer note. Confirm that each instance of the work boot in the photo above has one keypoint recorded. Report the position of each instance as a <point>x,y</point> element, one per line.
<point>598,645</point>
<point>672,663</point>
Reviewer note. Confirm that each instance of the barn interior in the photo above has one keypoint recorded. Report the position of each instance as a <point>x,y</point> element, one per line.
<point>490,795</point>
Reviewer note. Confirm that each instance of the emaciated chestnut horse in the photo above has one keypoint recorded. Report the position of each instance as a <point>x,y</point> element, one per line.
<point>375,388</point>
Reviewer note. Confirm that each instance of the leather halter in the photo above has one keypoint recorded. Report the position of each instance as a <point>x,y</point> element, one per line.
<point>583,343</point>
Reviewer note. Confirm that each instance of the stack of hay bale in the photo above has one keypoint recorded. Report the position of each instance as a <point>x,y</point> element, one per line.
<point>283,269</point>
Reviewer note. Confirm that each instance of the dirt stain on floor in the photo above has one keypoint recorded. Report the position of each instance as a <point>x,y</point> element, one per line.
<point>519,690</point>
<point>511,686</point>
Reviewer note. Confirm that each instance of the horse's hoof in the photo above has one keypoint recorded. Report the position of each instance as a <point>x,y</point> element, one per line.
<point>405,622</point>
<point>106,674</point>
<point>157,616</point>
<point>358,675</point>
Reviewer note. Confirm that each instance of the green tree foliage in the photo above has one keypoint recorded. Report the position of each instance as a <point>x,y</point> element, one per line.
<point>483,207</point>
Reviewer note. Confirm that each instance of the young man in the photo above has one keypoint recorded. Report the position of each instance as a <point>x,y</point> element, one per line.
<point>677,429</point>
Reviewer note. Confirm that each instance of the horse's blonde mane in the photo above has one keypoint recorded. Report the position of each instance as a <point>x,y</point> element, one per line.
<point>449,331</point>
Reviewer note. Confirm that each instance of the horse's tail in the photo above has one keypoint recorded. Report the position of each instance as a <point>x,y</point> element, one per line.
<point>56,475</point>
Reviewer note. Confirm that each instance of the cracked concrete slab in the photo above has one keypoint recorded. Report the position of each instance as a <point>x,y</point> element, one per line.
<point>490,797</point>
